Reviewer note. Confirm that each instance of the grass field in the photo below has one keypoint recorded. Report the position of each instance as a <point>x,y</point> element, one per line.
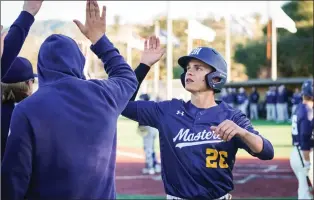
<point>278,134</point>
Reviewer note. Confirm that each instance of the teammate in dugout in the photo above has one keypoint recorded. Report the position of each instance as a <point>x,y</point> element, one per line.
<point>301,159</point>
<point>199,139</point>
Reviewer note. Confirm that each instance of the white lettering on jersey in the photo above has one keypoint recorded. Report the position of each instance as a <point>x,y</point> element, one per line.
<point>185,138</point>
<point>294,125</point>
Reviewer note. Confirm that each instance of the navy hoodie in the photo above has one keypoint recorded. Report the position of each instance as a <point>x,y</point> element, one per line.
<point>62,143</point>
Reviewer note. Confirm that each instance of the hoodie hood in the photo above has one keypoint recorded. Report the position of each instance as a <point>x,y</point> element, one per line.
<point>59,57</point>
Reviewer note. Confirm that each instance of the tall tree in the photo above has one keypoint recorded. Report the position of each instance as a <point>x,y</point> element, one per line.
<point>295,51</point>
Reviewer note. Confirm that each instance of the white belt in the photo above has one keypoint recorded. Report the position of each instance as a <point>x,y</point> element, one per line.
<point>227,196</point>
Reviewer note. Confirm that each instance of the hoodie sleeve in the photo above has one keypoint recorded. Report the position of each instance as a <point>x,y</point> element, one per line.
<point>16,166</point>
<point>122,82</point>
<point>15,39</point>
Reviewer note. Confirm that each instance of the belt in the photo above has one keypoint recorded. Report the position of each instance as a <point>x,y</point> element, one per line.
<point>225,197</point>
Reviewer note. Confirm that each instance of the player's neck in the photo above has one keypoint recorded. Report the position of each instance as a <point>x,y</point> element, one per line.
<point>203,99</point>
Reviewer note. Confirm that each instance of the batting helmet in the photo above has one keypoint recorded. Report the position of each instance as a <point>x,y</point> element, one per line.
<point>212,58</point>
<point>307,88</point>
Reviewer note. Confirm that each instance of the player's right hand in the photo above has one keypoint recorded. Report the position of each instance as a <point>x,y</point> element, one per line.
<point>95,24</point>
<point>32,7</point>
<point>152,51</point>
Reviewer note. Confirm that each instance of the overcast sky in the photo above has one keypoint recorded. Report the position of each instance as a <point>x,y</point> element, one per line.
<point>137,11</point>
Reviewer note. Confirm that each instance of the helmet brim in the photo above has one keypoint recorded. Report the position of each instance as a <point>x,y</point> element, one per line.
<point>184,61</point>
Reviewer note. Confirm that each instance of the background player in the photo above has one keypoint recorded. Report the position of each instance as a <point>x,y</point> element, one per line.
<point>302,152</point>
<point>149,134</point>
<point>199,138</point>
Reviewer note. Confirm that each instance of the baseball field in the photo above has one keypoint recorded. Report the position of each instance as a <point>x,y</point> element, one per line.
<point>253,179</point>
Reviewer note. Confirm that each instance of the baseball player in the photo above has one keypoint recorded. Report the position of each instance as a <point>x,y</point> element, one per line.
<point>149,135</point>
<point>199,139</point>
<point>302,140</point>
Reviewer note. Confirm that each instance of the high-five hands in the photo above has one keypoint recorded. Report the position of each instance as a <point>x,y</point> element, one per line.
<point>32,7</point>
<point>95,23</point>
<point>152,51</point>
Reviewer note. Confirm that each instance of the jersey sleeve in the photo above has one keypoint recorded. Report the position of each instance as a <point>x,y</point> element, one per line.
<point>267,152</point>
<point>146,113</point>
<point>305,131</point>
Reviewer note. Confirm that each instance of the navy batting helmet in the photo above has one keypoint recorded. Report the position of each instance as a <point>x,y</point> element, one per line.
<point>307,88</point>
<point>212,58</point>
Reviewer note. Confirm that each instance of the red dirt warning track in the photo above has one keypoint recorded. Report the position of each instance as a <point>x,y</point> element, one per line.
<point>252,177</point>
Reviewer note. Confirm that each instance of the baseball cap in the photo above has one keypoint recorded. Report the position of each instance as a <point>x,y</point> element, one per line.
<point>21,70</point>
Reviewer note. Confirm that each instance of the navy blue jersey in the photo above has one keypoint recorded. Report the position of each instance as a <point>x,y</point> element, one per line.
<point>241,98</point>
<point>196,163</point>
<point>296,98</point>
<point>302,127</point>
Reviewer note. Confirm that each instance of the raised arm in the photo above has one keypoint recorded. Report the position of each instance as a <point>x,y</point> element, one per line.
<point>152,53</point>
<point>17,34</point>
<point>122,81</point>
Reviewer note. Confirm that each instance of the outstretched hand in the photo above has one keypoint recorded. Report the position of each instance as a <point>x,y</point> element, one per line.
<point>152,51</point>
<point>2,40</point>
<point>95,23</point>
<point>32,7</point>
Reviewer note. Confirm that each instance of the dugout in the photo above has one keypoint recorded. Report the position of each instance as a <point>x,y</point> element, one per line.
<point>262,85</point>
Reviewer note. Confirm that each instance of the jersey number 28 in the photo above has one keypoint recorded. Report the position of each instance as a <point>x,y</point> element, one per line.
<point>213,160</point>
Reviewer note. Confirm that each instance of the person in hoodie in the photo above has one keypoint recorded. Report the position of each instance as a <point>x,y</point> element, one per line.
<point>13,40</point>
<point>15,86</point>
<point>199,138</point>
<point>63,138</point>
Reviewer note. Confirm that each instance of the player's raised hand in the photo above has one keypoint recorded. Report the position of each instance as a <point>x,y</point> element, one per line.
<point>32,7</point>
<point>2,40</point>
<point>95,22</point>
<point>227,130</point>
<point>152,51</point>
